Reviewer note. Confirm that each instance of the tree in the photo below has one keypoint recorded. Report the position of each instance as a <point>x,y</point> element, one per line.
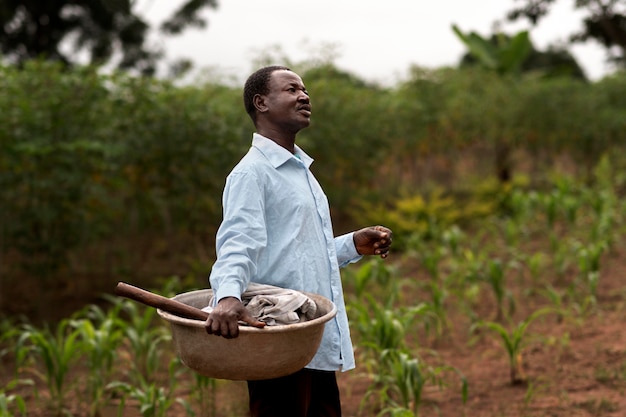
<point>502,56</point>
<point>605,22</point>
<point>106,30</point>
<point>505,57</point>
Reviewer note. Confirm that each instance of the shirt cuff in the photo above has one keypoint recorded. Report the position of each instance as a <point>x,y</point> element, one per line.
<point>346,250</point>
<point>227,290</point>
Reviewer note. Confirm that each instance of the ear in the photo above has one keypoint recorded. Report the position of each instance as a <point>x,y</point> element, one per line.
<point>260,104</point>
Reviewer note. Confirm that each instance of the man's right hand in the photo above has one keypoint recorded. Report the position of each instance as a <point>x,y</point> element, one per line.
<point>225,317</point>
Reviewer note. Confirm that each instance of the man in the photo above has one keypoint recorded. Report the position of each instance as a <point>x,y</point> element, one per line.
<point>277,230</point>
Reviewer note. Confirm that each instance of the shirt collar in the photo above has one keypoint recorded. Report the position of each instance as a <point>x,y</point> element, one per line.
<point>276,154</point>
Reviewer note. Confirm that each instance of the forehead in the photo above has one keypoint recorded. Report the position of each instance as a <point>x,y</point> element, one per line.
<point>283,78</point>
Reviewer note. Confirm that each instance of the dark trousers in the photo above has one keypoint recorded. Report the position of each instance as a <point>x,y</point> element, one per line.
<point>306,393</point>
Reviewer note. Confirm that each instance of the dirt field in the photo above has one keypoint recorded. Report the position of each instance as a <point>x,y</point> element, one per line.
<point>573,367</point>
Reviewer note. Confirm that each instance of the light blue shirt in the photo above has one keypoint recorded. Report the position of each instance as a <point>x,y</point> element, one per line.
<point>277,230</point>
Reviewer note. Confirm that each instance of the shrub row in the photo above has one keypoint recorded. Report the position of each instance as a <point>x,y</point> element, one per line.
<point>85,156</point>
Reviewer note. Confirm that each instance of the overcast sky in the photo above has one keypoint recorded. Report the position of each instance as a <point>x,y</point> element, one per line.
<point>377,40</point>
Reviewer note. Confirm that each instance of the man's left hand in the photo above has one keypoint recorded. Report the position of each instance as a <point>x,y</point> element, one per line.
<point>374,240</point>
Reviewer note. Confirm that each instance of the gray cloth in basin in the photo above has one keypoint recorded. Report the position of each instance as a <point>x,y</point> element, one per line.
<point>275,305</point>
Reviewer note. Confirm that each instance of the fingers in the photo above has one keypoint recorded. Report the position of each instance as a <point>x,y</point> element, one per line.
<point>224,328</point>
<point>385,234</point>
<point>225,317</point>
<point>374,240</point>
<point>382,246</point>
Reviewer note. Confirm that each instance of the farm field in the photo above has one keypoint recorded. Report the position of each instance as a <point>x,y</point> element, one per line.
<point>571,369</point>
<point>513,315</point>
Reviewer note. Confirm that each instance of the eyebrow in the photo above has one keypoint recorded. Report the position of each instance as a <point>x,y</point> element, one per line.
<point>297,86</point>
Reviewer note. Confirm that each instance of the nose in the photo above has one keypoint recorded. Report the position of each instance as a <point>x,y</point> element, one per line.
<point>303,96</point>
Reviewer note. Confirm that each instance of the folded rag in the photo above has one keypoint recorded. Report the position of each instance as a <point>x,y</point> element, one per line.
<point>275,305</point>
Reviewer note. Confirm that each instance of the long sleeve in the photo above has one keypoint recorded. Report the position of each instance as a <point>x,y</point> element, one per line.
<point>241,236</point>
<point>277,230</point>
<point>346,251</point>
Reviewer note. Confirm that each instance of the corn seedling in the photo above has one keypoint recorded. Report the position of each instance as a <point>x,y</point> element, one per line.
<point>374,272</point>
<point>153,400</point>
<point>550,205</point>
<point>11,404</point>
<point>561,258</point>
<point>452,237</point>
<point>535,264</point>
<point>589,257</point>
<point>12,342</point>
<point>57,352</point>
<point>512,231</point>
<point>439,295</point>
<point>206,392</point>
<point>145,339</point>
<point>430,258</point>
<point>513,341</point>
<point>7,332</point>
<point>568,199</point>
<point>496,278</point>
<point>492,272</point>
<point>396,412</point>
<point>534,389</point>
<point>401,380</point>
<point>555,297</point>
<point>101,338</point>
<point>380,328</point>
<point>581,307</point>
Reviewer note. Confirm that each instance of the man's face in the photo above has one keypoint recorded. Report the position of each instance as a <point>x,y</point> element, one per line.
<point>288,103</point>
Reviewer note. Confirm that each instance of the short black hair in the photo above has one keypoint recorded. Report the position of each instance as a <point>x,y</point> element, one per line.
<point>258,83</point>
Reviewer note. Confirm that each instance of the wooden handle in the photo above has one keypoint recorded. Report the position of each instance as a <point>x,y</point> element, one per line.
<point>158,301</point>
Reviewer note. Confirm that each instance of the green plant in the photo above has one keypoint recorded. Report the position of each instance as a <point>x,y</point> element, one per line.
<point>11,402</point>
<point>101,335</point>
<point>495,276</point>
<point>144,339</point>
<point>56,352</point>
<point>373,272</point>
<point>13,343</point>
<point>416,218</point>
<point>504,55</point>
<point>401,379</point>
<point>535,264</point>
<point>589,257</point>
<point>396,412</point>
<point>206,392</point>
<point>437,308</point>
<point>513,340</point>
<point>481,268</point>
<point>555,297</point>
<point>380,328</point>
<point>430,257</point>
<point>154,400</point>
<point>534,389</point>
<point>8,401</point>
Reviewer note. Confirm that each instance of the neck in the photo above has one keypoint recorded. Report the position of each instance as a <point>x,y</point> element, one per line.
<point>283,139</point>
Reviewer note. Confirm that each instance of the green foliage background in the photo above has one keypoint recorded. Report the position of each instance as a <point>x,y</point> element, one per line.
<point>91,159</point>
